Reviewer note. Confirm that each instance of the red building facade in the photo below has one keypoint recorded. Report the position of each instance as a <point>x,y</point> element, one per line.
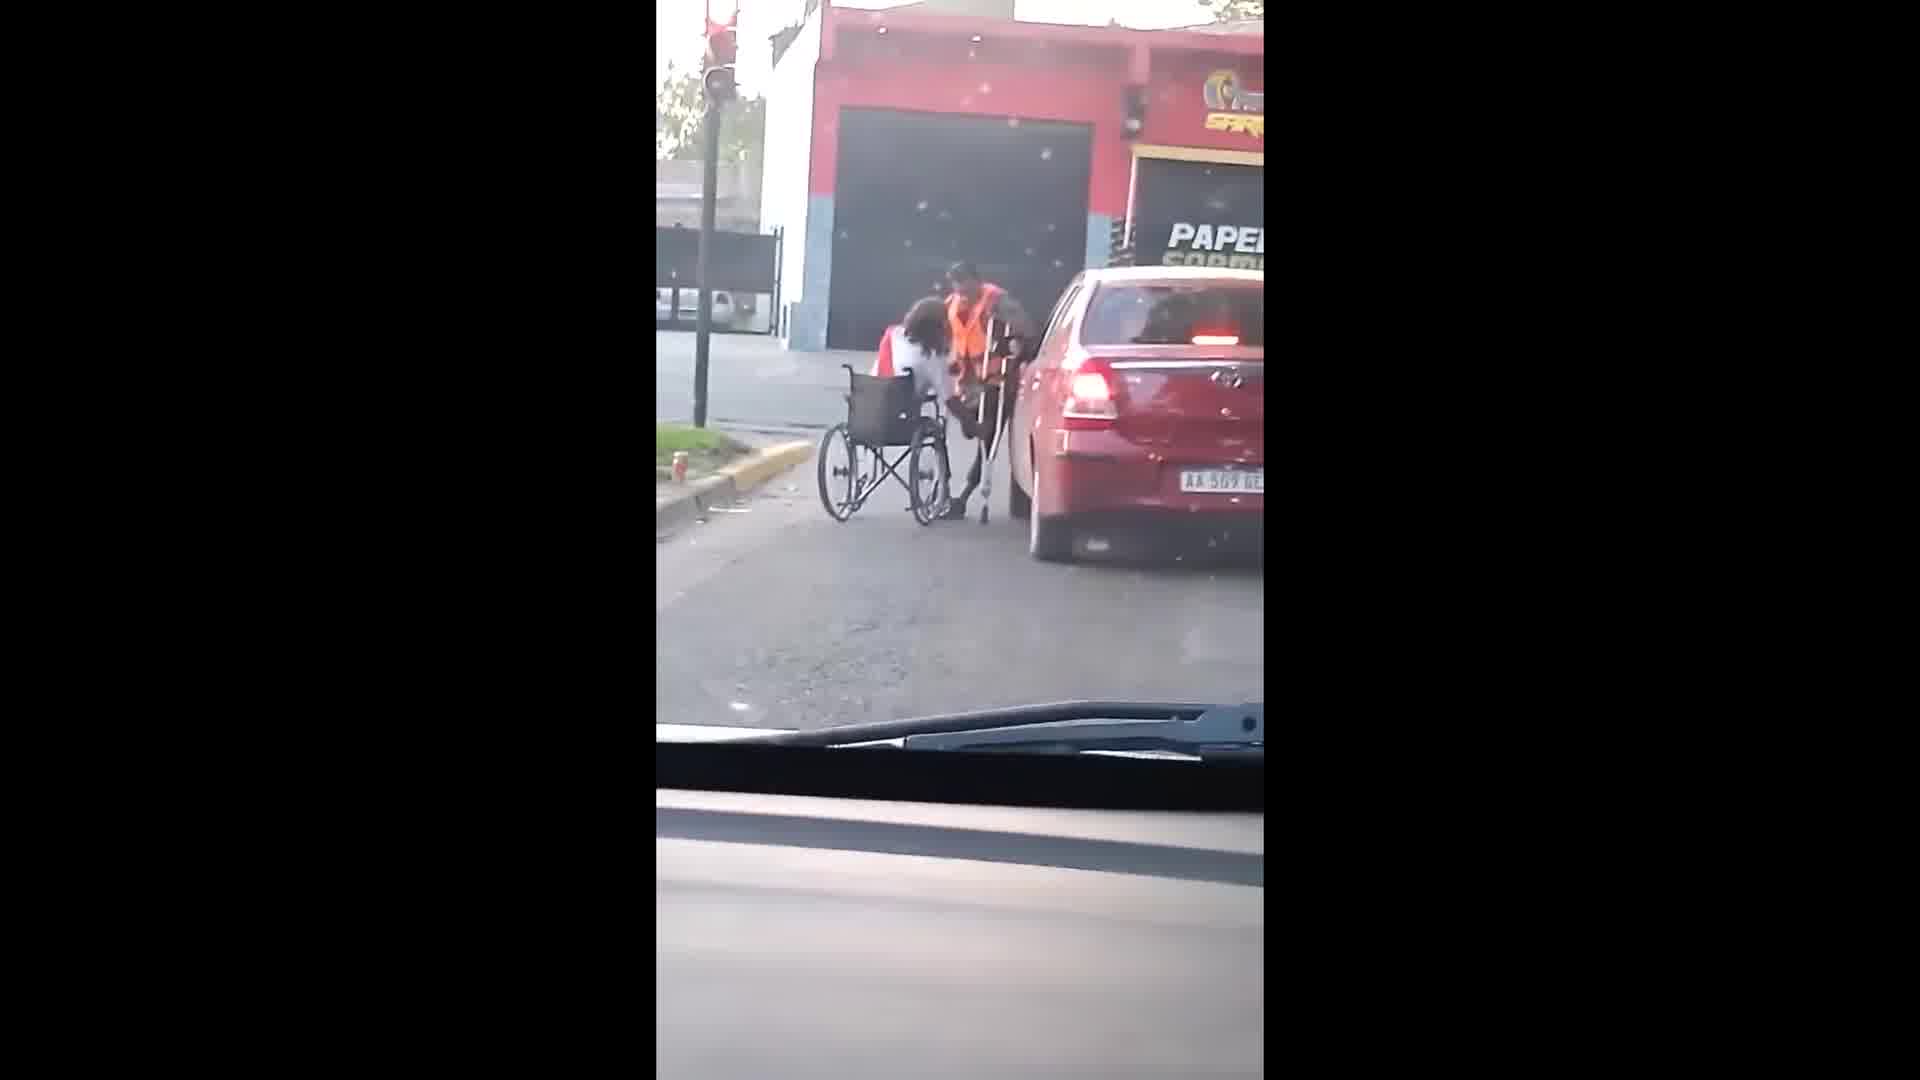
<point>935,137</point>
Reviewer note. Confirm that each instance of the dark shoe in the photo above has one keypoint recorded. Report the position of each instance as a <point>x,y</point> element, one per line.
<point>956,511</point>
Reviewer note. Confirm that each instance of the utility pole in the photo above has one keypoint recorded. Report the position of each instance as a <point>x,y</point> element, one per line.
<point>703,321</point>
<point>719,86</point>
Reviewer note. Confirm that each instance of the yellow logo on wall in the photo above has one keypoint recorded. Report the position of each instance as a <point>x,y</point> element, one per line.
<point>1243,110</point>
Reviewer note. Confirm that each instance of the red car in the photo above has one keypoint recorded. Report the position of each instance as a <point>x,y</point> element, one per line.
<point>1144,405</point>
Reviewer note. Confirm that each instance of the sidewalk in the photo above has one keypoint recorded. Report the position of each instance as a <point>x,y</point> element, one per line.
<point>754,383</point>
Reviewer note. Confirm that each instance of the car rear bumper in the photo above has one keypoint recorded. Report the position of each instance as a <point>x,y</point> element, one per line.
<point>1095,473</point>
<point>1160,533</point>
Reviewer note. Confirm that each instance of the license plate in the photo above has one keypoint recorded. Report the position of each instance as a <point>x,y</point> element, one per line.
<point>1224,481</point>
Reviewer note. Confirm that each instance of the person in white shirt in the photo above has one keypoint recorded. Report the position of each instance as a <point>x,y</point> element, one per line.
<point>921,344</point>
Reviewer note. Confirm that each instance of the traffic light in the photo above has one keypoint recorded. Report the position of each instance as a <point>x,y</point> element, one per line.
<point>721,52</point>
<point>1134,119</point>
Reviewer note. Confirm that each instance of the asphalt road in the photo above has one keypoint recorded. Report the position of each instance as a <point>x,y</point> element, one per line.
<point>753,383</point>
<point>777,616</point>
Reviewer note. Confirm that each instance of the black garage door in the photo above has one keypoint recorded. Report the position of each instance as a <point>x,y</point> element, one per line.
<point>917,192</point>
<point>1199,214</point>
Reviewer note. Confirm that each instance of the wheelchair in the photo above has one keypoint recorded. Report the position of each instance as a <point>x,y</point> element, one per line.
<point>884,413</point>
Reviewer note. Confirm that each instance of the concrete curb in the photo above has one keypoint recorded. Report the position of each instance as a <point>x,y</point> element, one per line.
<point>726,485</point>
<point>756,470</point>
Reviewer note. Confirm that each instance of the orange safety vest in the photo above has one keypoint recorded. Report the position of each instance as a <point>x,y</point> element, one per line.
<point>970,333</point>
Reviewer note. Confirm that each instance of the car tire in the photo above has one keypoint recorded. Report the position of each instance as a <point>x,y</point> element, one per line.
<point>1049,539</point>
<point>1019,503</point>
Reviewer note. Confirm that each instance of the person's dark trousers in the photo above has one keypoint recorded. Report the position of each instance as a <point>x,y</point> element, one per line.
<point>985,437</point>
<point>984,447</point>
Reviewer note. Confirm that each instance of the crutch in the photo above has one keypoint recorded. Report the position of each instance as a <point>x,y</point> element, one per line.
<point>992,451</point>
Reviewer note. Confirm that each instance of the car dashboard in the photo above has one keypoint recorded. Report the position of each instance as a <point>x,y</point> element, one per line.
<point>803,936</point>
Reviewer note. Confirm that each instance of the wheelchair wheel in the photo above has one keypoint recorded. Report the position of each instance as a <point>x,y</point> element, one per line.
<point>838,468</point>
<point>928,468</point>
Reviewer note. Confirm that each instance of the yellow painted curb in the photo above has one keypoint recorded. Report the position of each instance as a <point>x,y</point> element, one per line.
<point>755,470</point>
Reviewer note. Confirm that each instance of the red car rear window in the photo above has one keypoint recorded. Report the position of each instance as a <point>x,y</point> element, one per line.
<point>1174,314</point>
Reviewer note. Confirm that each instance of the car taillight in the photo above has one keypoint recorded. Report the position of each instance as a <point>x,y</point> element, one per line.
<point>1091,387</point>
<point>1090,396</point>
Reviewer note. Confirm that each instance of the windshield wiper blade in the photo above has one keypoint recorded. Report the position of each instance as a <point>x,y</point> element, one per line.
<point>1220,732</point>
<point>981,719</point>
<point>1081,725</point>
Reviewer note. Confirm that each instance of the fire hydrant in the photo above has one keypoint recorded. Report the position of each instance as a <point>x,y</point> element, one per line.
<point>679,466</point>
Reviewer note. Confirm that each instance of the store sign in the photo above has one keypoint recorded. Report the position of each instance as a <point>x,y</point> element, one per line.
<point>1235,247</point>
<point>1233,107</point>
<point>1199,213</point>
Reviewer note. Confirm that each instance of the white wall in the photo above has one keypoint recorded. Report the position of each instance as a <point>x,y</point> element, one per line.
<point>789,150</point>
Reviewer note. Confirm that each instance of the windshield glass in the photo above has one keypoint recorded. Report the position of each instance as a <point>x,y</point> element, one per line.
<point>885,488</point>
<point>1177,315</point>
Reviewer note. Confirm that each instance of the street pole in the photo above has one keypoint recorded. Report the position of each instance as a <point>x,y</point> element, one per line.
<point>703,325</point>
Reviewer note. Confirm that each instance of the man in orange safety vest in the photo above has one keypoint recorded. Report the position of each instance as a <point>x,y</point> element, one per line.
<point>981,367</point>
